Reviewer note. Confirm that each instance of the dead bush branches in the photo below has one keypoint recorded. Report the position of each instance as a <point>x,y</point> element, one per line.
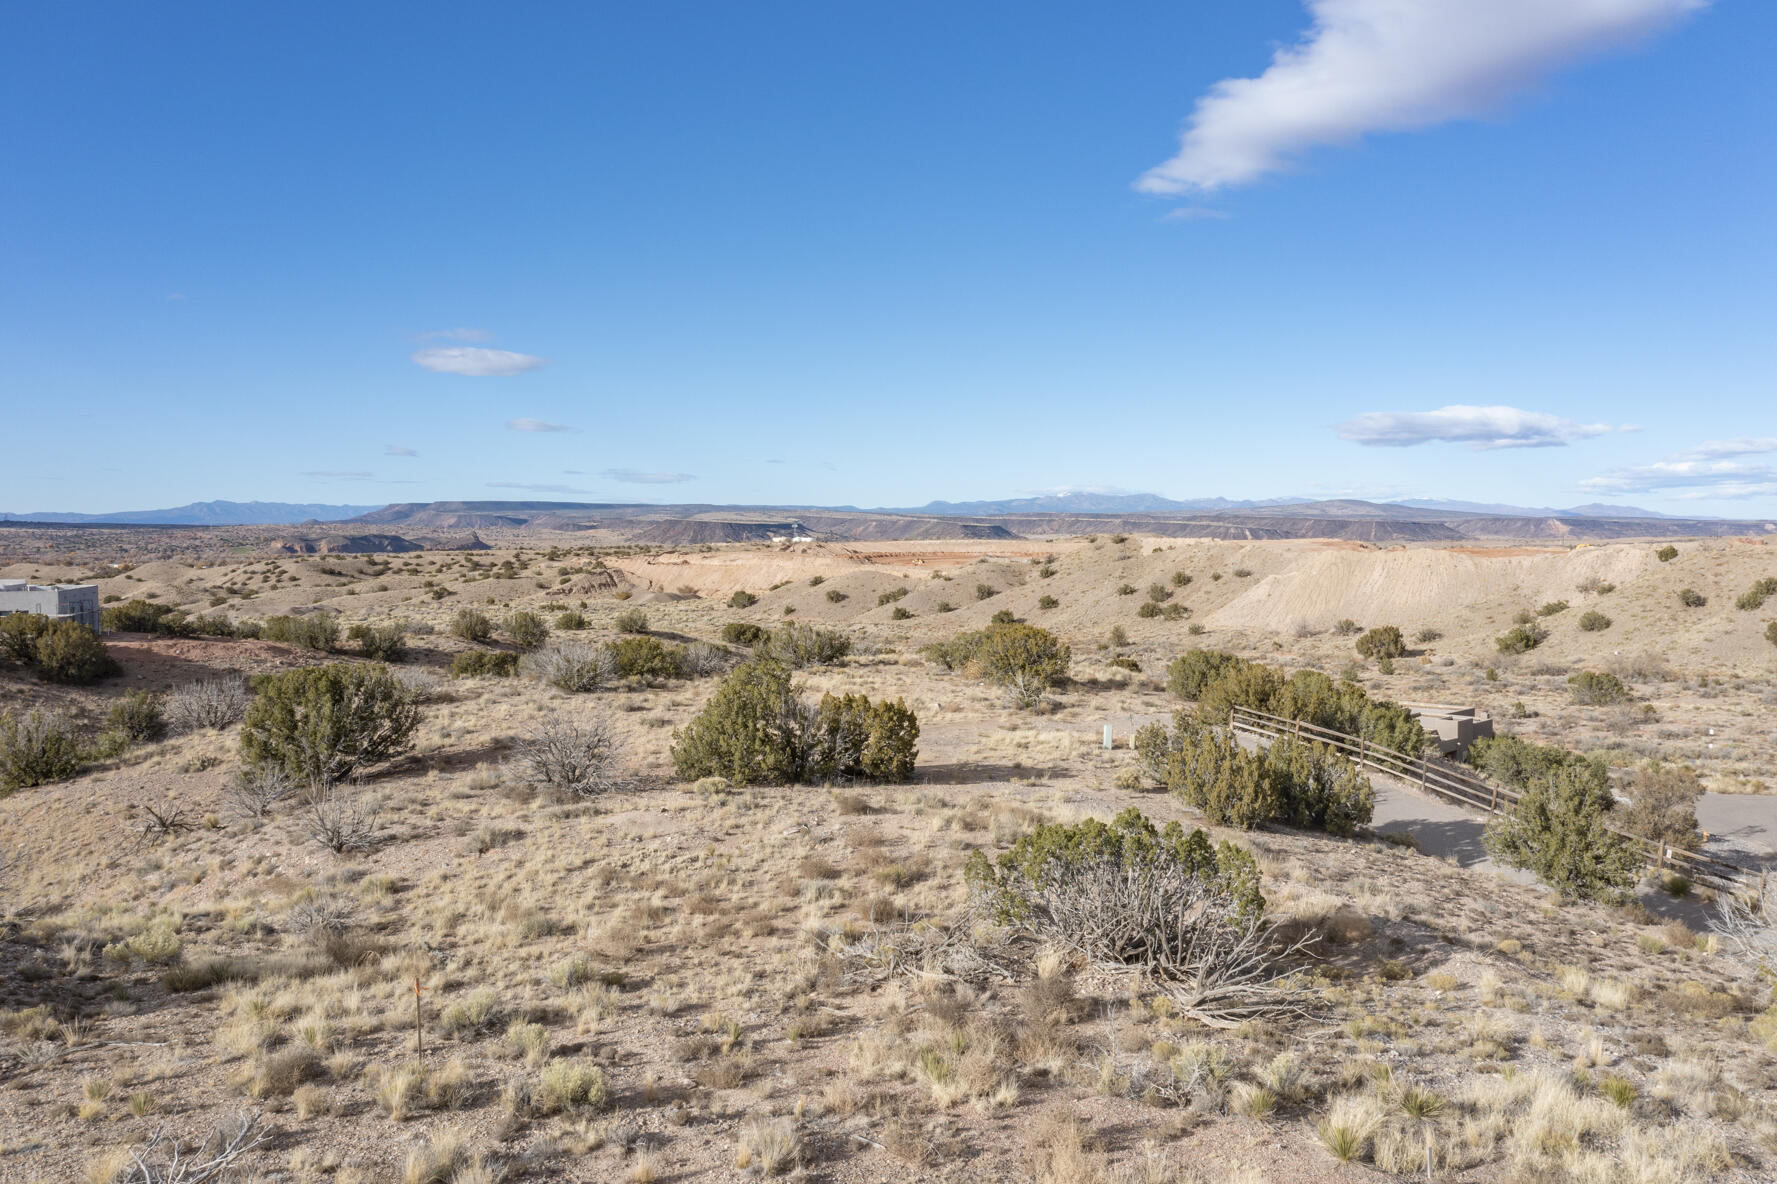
<point>255,789</point>
<point>212,703</point>
<point>160,1160</point>
<point>574,666</point>
<point>339,821</point>
<point>160,822</point>
<point>1747,924</point>
<point>1174,928</point>
<point>960,952</point>
<point>584,759</point>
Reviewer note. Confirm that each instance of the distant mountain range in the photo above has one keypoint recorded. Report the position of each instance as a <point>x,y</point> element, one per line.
<point>572,515</point>
<point>217,513</point>
<point>1153,503</point>
<point>1590,510</point>
<point>1092,503</point>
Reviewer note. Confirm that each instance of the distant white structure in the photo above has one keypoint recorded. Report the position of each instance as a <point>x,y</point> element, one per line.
<point>1455,727</point>
<point>61,602</point>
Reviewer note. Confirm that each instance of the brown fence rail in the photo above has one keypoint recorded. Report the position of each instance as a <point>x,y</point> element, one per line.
<point>1458,784</point>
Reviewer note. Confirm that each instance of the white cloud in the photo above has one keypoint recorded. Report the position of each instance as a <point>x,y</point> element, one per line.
<point>1705,471</point>
<point>1742,446</point>
<point>398,450</point>
<point>534,488</point>
<point>1390,65</point>
<point>1479,427</point>
<point>474,361</point>
<point>536,425</point>
<point>637,478</point>
<point>1193,214</point>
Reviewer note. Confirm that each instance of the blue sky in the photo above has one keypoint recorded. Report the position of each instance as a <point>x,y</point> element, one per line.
<point>816,253</point>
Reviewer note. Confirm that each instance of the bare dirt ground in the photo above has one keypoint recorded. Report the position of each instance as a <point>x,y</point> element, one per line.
<point>688,943</point>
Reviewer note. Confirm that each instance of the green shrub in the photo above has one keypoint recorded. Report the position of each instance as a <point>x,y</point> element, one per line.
<point>985,591</point>
<point>39,748</point>
<point>525,630</point>
<point>632,621</point>
<point>471,624</point>
<point>1012,884</point>
<point>901,613</point>
<point>835,596</point>
<point>1557,830</point>
<point>1521,639</point>
<point>137,717</point>
<point>750,732</point>
<point>141,616</point>
<point>1180,579</point>
<point>313,631</point>
<point>744,633</point>
<point>1047,602</point>
<point>1148,610</point>
<point>69,652</point>
<point>1024,659</point>
<point>1594,689</point>
<point>742,600</point>
<point>1666,554</point>
<point>890,596</point>
<point>797,645</point>
<point>1303,784</point>
<point>1125,589</point>
<point>484,664</point>
<point>1551,608</point>
<point>1129,664</point>
<point>321,724</point>
<point>1691,598</point>
<point>853,737</point>
<point>1521,764</point>
<point>1221,682</point>
<point>1192,670</point>
<point>1004,617</point>
<point>1158,593</point>
<point>1771,632</point>
<point>570,621</point>
<point>1347,627</point>
<point>1593,621</point>
<point>1384,641</point>
<point>1754,597</point>
<point>645,658</point>
<point>755,730</point>
<point>18,636</point>
<point>380,643</point>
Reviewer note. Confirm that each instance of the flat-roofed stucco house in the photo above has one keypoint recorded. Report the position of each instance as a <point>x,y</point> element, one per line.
<point>61,602</point>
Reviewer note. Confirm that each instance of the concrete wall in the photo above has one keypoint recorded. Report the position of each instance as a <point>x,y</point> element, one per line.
<point>65,602</point>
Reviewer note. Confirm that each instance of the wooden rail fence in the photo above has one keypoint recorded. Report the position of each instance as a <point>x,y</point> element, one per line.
<point>1456,783</point>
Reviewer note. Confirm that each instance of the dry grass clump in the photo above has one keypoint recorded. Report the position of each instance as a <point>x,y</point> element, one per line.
<point>445,1158</point>
<point>767,1146</point>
